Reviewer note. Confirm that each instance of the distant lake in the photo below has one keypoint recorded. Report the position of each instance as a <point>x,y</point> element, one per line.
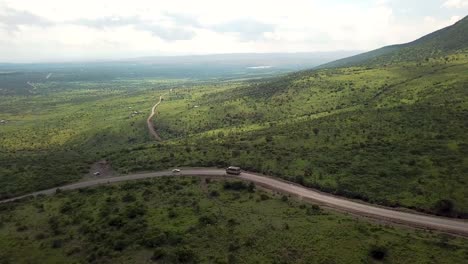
<point>259,67</point>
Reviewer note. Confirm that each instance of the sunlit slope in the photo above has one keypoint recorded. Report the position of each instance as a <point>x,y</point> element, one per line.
<point>449,40</point>
<point>393,134</point>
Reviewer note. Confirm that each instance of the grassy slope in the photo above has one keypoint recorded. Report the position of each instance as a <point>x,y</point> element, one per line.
<point>393,135</point>
<point>190,220</point>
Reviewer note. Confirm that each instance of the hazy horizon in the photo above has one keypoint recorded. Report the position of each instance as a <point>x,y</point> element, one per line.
<point>330,55</point>
<point>59,31</point>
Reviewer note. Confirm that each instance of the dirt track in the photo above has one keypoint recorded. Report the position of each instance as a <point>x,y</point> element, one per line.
<point>454,226</point>
<point>149,121</point>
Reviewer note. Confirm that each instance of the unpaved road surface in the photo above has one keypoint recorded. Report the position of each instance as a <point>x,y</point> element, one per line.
<point>454,226</point>
<point>149,121</point>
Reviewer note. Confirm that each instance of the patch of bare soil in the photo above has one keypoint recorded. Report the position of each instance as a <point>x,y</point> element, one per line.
<point>100,169</point>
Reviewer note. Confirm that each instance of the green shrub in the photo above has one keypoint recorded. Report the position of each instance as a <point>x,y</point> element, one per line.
<point>57,243</point>
<point>207,220</point>
<point>214,193</point>
<point>120,245</point>
<point>128,198</point>
<point>235,185</point>
<point>185,255</point>
<point>378,252</point>
<point>251,187</point>
<point>158,254</point>
<point>135,211</point>
<point>444,207</point>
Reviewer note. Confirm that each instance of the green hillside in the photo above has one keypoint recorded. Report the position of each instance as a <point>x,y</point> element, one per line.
<point>392,134</point>
<point>446,41</point>
<point>193,220</point>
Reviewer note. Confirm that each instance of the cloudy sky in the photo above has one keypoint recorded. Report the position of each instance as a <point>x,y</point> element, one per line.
<point>64,30</point>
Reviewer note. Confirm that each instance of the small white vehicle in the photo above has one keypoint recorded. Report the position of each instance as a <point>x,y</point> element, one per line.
<point>97,173</point>
<point>233,170</point>
<point>175,170</point>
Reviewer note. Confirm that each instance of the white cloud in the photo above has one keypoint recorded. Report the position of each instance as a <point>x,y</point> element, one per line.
<point>455,4</point>
<point>57,29</point>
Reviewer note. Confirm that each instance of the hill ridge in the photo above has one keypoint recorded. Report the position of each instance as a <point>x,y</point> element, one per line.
<point>442,42</point>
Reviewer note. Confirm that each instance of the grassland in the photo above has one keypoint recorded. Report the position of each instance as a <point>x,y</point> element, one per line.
<point>393,135</point>
<point>389,131</point>
<point>54,135</point>
<point>193,220</point>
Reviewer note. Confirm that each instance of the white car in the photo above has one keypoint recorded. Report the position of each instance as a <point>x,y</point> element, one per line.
<point>175,170</point>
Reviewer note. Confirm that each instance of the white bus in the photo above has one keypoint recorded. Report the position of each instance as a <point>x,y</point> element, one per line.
<point>233,170</point>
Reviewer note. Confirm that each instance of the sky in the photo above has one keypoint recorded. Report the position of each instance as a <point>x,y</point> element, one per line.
<point>70,30</point>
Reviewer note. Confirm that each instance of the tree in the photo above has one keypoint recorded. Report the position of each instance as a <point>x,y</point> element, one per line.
<point>158,254</point>
<point>251,187</point>
<point>300,179</point>
<point>235,153</point>
<point>378,252</point>
<point>444,207</point>
<point>316,131</point>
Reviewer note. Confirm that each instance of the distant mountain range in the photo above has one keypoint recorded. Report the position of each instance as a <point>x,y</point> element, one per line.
<point>300,60</point>
<point>281,60</point>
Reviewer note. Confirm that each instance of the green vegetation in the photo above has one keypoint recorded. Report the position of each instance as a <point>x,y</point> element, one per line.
<point>194,220</point>
<point>392,135</point>
<point>389,129</point>
<point>53,136</point>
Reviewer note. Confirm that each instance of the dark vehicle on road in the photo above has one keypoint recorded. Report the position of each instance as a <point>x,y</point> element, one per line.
<point>233,170</point>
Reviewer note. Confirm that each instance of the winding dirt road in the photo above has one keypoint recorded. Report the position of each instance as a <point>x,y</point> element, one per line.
<point>149,121</point>
<point>454,226</point>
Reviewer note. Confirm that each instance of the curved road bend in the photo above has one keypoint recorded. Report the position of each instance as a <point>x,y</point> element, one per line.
<point>149,121</point>
<point>454,226</point>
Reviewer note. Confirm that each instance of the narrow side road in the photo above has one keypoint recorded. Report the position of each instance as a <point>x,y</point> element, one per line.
<point>453,226</point>
<point>149,121</point>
